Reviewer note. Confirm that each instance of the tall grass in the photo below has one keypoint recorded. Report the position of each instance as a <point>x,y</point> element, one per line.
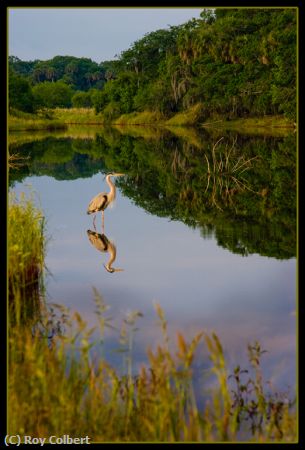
<point>21,121</point>
<point>191,116</point>
<point>59,384</point>
<point>26,252</point>
<point>60,118</point>
<point>64,388</point>
<point>78,116</point>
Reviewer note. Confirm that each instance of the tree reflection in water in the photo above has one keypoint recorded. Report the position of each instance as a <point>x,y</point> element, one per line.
<point>240,188</point>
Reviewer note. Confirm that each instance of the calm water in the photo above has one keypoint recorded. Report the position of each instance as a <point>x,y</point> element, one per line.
<point>217,254</point>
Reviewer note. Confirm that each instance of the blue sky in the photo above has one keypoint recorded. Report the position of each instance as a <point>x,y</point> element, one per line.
<point>96,33</point>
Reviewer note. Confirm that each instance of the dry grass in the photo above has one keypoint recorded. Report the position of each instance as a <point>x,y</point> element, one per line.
<point>78,116</point>
<point>57,386</point>
<point>189,117</point>
<point>21,121</point>
<point>15,160</point>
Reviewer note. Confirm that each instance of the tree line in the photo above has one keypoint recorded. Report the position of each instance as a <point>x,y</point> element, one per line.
<point>236,62</point>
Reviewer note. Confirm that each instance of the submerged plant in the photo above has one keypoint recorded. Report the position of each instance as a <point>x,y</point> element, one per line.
<point>225,173</point>
<point>15,160</point>
<point>266,413</point>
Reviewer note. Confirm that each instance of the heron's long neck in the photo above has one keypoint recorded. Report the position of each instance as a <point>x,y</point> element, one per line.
<point>112,254</point>
<point>112,187</point>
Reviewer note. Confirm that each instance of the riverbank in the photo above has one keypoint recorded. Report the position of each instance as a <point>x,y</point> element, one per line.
<point>61,118</point>
<point>276,125</point>
<point>21,121</point>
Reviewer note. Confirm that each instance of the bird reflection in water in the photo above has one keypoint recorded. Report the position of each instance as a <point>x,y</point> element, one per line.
<point>103,244</point>
<point>102,200</point>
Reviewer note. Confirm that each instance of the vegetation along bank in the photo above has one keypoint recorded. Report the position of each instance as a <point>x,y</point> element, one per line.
<point>229,64</point>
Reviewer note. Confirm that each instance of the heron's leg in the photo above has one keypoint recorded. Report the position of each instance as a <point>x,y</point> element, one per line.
<point>94,222</point>
<point>103,223</point>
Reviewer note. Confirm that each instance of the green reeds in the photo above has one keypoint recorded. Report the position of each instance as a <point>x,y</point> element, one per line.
<point>26,251</point>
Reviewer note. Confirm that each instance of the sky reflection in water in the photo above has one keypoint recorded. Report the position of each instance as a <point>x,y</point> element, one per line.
<point>198,284</point>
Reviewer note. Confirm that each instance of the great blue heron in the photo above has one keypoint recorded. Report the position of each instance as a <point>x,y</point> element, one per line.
<point>103,244</point>
<point>102,200</point>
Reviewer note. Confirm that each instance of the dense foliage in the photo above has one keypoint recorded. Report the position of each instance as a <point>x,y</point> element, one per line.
<point>233,62</point>
<point>79,73</point>
<point>52,95</point>
<point>20,93</point>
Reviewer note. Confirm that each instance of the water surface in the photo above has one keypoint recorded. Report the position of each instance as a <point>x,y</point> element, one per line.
<point>212,243</point>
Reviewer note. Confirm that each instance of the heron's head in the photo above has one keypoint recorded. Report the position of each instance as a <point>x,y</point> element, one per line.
<point>115,174</point>
<point>112,269</point>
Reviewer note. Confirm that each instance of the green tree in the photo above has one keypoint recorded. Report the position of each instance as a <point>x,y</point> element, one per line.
<point>52,95</point>
<point>20,67</point>
<point>82,100</point>
<point>99,99</point>
<point>236,62</point>
<point>20,93</point>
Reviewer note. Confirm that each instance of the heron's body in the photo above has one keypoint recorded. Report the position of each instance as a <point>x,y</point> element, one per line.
<point>99,241</point>
<point>98,203</point>
<point>102,200</point>
<point>103,244</point>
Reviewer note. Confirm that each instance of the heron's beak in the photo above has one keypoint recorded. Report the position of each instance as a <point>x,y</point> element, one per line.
<point>107,268</point>
<point>119,174</point>
<point>112,269</point>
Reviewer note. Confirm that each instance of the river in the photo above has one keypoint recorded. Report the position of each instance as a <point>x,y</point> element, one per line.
<point>204,223</point>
